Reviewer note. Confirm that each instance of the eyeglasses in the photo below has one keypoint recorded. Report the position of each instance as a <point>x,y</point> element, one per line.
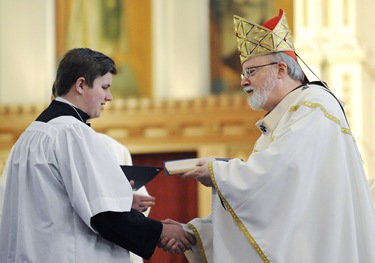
<point>250,72</point>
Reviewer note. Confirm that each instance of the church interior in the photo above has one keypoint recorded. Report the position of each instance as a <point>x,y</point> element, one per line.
<point>177,94</point>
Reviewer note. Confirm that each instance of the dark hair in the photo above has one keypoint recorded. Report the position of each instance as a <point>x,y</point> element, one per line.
<point>81,62</point>
<point>53,93</point>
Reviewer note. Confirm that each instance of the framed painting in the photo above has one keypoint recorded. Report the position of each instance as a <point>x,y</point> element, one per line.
<point>120,29</point>
<point>225,62</point>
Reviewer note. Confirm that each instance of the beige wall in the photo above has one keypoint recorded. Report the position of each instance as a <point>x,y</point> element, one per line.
<point>366,38</point>
<point>27,62</point>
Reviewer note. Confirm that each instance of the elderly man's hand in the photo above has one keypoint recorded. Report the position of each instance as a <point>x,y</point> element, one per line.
<point>201,173</point>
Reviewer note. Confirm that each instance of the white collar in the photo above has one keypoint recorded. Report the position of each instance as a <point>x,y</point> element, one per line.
<point>61,99</point>
<point>269,122</point>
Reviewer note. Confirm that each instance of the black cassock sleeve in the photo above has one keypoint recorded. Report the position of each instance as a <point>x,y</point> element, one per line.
<point>130,230</point>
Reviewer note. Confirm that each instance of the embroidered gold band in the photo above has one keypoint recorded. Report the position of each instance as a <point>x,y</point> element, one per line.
<point>325,112</point>
<point>237,220</point>
<point>199,241</point>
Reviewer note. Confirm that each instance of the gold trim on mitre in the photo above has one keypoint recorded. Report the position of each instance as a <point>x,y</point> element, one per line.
<point>257,40</point>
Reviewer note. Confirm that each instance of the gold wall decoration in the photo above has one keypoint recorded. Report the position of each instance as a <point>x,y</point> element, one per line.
<point>222,122</point>
<point>120,29</point>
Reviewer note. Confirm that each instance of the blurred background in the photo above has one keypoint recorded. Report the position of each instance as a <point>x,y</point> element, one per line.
<point>177,93</point>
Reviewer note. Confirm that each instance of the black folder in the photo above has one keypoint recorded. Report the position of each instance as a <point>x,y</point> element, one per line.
<point>141,175</point>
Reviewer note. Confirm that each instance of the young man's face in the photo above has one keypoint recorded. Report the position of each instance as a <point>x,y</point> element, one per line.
<point>96,97</point>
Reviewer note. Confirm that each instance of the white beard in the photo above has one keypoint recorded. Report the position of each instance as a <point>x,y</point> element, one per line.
<point>260,95</point>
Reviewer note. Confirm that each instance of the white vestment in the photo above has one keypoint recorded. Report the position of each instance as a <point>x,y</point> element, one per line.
<point>122,155</point>
<point>302,195</point>
<point>60,175</point>
<point>371,183</point>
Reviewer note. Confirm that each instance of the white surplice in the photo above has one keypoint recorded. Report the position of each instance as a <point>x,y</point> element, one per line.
<point>60,170</point>
<point>302,195</point>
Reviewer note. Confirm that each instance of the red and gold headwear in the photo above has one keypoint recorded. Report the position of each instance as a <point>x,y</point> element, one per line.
<point>256,40</point>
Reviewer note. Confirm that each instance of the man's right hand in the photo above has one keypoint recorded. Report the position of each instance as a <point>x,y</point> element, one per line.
<point>174,238</point>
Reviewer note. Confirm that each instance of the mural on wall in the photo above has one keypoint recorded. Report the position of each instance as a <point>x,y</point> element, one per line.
<point>122,29</point>
<point>118,28</point>
<point>225,62</point>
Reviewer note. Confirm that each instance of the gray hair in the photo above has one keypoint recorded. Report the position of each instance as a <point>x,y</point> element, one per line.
<point>294,69</point>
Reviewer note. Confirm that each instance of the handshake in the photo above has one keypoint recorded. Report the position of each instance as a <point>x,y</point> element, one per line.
<point>174,238</point>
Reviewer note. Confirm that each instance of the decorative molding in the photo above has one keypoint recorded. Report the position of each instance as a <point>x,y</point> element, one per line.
<point>152,126</point>
<point>170,125</point>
